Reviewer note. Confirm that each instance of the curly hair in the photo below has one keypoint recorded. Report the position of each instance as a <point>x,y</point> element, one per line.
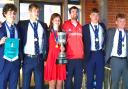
<point>9,7</point>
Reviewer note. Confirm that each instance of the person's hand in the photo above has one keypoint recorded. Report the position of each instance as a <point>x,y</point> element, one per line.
<point>2,41</point>
<point>62,48</point>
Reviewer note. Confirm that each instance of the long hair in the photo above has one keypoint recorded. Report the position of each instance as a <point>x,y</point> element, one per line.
<point>54,15</point>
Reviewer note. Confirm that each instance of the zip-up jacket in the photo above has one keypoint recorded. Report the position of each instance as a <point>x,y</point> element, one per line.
<point>74,43</point>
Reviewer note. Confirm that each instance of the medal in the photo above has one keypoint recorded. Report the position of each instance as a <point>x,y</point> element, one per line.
<point>97,39</point>
<point>123,45</point>
<point>57,46</point>
<point>35,39</point>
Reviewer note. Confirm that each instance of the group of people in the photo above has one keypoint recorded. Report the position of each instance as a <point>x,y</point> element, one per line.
<point>87,48</point>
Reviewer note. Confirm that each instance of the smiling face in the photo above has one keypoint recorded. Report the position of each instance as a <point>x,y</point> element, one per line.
<point>74,14</point>
<point>121,22</point>
<point>94,17</point>
<point>10,16</point>
<point>56,23</point>
<point>9,12</point>
<point>34,13</point>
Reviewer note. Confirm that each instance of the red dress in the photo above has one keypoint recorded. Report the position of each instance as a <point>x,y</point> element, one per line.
<point>53,71</point>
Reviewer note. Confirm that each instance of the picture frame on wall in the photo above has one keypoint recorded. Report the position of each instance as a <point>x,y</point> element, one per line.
<point>74,2</point>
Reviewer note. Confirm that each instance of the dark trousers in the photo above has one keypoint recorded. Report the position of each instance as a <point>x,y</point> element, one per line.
<point>36,66</point>
<point>95,67</point>
<point>119,71</point>
<point>74,70</point>
<point>10,74</point>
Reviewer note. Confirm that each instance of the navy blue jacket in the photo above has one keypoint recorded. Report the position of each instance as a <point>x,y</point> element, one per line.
<point>3,33</point>
<point>87,39</point>
<point>23,28</point>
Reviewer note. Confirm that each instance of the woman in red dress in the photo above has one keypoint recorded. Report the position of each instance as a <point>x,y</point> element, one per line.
<point>54,73</point>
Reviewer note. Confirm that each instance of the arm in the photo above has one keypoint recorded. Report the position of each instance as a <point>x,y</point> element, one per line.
<point>2,36</point>
<point>46,43</point>
<point>19,26</point>
<point>2,40</point>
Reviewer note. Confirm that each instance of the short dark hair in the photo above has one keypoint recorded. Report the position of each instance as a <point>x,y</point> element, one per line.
<point>120,15</point>
<point>33,5</point>
<point>94,10</point>
<point>9,7</point>
<point>73,7</point>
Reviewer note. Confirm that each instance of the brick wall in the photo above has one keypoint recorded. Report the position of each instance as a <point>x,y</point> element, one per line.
<point>89,4</point>
<point>114,7</point>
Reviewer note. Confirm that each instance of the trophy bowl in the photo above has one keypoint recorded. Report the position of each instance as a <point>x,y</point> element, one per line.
<point>62,55</point>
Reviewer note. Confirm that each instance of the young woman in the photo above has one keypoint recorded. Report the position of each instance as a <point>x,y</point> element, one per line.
<point>54,73</point>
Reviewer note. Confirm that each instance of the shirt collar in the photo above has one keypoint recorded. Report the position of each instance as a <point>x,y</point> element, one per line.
<point>9,24</point>
<point>73,24</point>
<point>120,29</point>
<point>93,24</point>
<point>33,21</point>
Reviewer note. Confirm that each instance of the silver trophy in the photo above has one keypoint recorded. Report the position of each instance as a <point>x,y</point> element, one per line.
<point>62,55</point>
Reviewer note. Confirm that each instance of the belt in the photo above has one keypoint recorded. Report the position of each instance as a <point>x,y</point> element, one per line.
<point>32,56</point>
<point>97,51</point>
<point>119,57</point>
<point>11,60</point>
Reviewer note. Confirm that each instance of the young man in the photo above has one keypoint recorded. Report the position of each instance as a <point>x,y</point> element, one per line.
<point>93,38</point>
<point>74,50</point>
<point>117,52</point>
<point>9,66</point>
<point>34,47</point>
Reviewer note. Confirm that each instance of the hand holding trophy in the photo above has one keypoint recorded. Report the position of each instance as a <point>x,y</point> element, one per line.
<point>62,55</point>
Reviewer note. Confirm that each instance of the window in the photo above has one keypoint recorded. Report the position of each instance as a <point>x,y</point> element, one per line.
<point>45,13</point>
<point>1,16</point>
<point>24,13</point>
<point>49,10</point>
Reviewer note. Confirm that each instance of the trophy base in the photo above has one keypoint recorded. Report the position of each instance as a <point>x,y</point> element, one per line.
<point>61,61</point>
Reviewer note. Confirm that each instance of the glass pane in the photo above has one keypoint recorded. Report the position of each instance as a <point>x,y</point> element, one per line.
<point>24,13</point>
<point>1,16</point>
<point>49,10</point>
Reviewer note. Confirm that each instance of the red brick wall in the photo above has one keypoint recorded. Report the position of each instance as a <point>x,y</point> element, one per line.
<point>114,7</point>
<point>89,4</point>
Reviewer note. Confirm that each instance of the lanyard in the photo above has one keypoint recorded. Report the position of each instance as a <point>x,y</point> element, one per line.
<point>33,26</point>
<point>94,29</point>
<point>35,31</point>
<point>55,36</point>
<point>9,28</point>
